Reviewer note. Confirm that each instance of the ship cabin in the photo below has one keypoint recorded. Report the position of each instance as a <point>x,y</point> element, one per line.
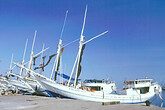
<point>94,85</point>
<point>142,84</point>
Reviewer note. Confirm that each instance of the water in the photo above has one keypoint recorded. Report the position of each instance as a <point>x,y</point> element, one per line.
<point>157,101</point>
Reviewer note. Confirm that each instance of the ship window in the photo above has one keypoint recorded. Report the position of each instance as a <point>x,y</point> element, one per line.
<point>95,88</point>
<point>131,82</point>
<point>144,90</point>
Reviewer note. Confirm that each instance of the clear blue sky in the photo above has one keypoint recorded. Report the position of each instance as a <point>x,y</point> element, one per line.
<point>133,48</point>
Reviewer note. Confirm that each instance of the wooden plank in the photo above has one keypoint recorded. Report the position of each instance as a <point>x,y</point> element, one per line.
<point>111,103</point>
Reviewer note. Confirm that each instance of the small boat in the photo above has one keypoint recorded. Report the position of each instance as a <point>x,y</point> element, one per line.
<point>163,88</point>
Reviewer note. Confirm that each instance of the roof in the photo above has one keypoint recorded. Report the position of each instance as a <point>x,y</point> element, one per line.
<point>142,80</point>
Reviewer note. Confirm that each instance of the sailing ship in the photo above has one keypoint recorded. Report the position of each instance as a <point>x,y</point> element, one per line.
<point>26,83</point>
<point>29,81</point>
<point>19,84</point>
<point>136,91</point>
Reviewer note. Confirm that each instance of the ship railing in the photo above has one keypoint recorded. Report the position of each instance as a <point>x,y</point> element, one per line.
<point>129,86</point>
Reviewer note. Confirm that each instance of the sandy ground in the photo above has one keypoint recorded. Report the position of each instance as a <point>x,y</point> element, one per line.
<point>28,102</point>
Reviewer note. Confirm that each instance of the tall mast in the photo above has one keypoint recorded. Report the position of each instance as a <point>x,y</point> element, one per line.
<point>64,24</point>
<point>57,59</point>
<point>21,71</point>
<point>80,51</point>
<point>41,63</point>
<point>10,69</point>
<point>31,55</point>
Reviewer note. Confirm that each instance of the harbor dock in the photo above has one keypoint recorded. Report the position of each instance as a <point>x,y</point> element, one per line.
<point>29,102</point>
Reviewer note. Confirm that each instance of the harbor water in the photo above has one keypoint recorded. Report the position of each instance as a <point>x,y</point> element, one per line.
<point>157,101</point>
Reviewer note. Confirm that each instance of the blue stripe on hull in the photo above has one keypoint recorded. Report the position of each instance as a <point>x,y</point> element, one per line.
<point>50,93</point>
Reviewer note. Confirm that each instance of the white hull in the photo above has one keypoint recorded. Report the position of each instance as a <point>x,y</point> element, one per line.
<point>21,86</point>
<point>70,92</point>
<point>39,90</point>
<point>4,83</point>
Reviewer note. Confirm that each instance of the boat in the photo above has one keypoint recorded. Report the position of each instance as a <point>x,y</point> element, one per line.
<point>29,80</point>
<point>163,88</point>
<point>5,85</point>
<point>26,83</point>
<point>136,91</point>
<point>133,93</point>
<point>19,84</point>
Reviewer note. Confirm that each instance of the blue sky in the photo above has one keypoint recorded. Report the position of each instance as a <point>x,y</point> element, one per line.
<point>133,48</point>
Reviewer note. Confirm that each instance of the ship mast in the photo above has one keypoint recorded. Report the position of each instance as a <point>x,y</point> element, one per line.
<point>21,71</point>
<point>80,52</point>
<point>57,59</point>
<point>41,63</point>
<point>10,69</point>
<point>31,56</point>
